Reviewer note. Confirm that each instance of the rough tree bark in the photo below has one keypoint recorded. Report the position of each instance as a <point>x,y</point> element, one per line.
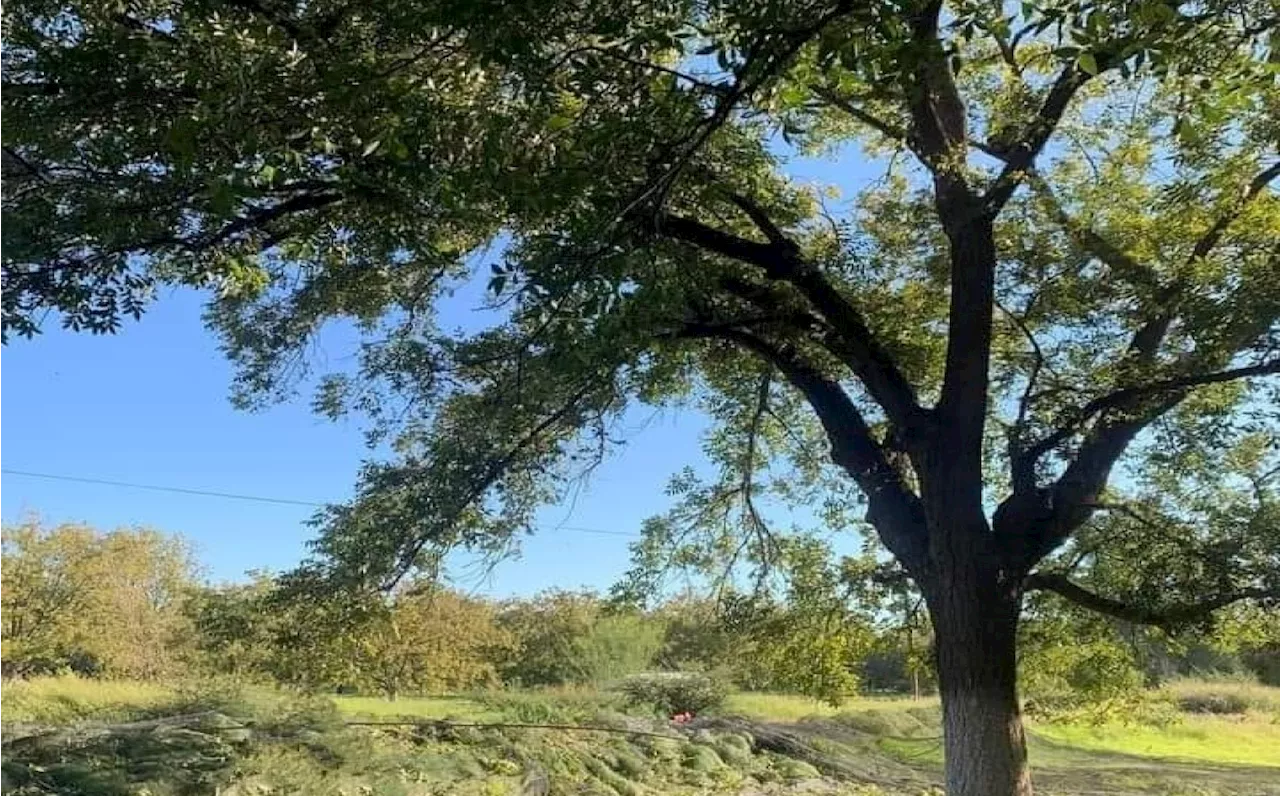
<point>974,598</point>
<point>975,620</point>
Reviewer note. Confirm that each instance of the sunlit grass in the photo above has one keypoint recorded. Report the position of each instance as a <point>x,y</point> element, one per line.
<point>1252,738</point>
<point>66,698</point>
<point>435,707</point>
<point>1243,740</point>
<point>790,707</point>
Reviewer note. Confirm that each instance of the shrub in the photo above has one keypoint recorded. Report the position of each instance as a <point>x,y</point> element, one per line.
<point>1221,695</point>
<point>671,693</point>
<point>619,645</point>
<point>1265,663</point>
<point>1216,702</point>
<point>549,705</point>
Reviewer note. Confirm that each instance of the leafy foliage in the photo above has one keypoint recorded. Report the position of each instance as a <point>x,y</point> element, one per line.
<point>566,638</point>
<point>429,640</point>
<point>673,693</point>
<point>92,603</point>
<point>1071,256</point>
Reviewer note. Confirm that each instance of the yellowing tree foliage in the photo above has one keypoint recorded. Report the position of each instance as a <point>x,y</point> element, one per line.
<point>78,599</point>
<point>428,640</point>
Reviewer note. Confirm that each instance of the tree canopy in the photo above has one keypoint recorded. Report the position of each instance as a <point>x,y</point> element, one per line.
<point>1072,250</point>
<point>76,599</point>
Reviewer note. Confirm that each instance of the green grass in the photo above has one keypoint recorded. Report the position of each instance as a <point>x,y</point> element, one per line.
<point>548,706</point>
<point>1249,735</point>
<point>442,707</point>
<point>790,707</point>
<point>1206,739</point>
<point>59,700</point>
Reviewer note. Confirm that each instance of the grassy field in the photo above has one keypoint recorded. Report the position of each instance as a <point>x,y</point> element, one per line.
<point>1210,739</point>
<point>789,707</point>
<point>58,700</point>
<point>458,708</point>
<point>1226,741</point>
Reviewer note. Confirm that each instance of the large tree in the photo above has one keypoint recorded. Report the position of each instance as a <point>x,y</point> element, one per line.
<point>1075,242</point>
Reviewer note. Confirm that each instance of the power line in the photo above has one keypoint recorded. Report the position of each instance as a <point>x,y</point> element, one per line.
<point>251,498</point>
<point>579,529</point>
<point>156,488</point>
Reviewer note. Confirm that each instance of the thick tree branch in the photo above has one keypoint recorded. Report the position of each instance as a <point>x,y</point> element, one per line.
<point>1020,154</point>
<point>937,111</point>
<point>258,218</point>
<point>1127,396</point>
<point>770,230</point>
<point>781,261</point>
<point>892,508</point>
<point>962,408</point>
<point>938,126</point>
<point>1167,617</point>
<point>1210,239</point>
<point>1035,520</point>
<point>764,63</point>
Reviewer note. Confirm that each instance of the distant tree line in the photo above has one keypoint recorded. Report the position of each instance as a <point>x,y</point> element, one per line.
<point>129,603</point>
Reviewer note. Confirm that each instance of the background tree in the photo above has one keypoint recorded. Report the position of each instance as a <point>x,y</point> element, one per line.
<point>428,640</point>
<point>1085,239</point>
<point>565,637</point>
<point>812,639</point>
<point>232,629</point>
<point>92,602</point>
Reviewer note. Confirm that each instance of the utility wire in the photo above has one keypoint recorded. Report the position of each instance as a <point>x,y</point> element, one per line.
<point>253,498</point>
<point>154,488</point>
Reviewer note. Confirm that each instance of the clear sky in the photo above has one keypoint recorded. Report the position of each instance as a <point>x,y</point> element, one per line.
<point>150,405</point>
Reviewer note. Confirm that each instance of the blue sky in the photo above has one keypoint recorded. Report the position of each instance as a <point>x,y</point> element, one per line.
<point>150,405</point>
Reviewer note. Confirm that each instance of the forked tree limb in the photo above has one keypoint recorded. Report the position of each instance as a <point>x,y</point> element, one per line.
<point>892,508</point>
<point>779,260</point>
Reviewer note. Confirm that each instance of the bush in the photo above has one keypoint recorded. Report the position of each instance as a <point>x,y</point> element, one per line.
<point>1221,695</point>
<point>619,645</point>
<point>1218,703</point>
<point>554,705</point>
<point>670,693</point>
<point>1264,662</point>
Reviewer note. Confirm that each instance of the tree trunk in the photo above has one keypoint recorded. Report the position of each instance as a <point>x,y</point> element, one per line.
<point>976,631</point>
